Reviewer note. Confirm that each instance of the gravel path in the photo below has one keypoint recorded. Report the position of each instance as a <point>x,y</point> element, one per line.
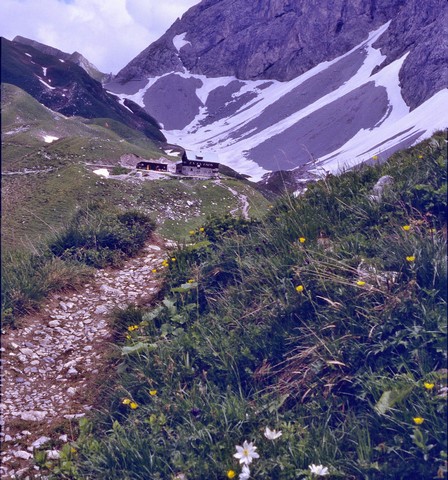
<point>243,208</point>
<point>52,364</point>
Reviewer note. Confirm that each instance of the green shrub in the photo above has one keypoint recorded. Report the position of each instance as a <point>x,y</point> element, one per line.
<point>99,236</point>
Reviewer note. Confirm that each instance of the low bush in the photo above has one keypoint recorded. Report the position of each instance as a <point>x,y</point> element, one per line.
<point>28,279</point>
<point>99,236</point>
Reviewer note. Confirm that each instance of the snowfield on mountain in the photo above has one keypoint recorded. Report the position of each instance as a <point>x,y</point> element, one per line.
<point>334,116</point>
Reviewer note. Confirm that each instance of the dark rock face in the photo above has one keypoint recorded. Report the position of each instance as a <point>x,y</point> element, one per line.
<point>74,57</point>
<point>66,88</point>
<point>166,100</point>
<point>308,92</point>
<point>420,28</point>
<point>281,39</point>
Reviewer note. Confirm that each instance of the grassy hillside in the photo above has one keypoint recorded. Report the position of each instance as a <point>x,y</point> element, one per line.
<point>35,206</point>
<point>26,122</point>
<point>39,206</point>
<point>325,321</point>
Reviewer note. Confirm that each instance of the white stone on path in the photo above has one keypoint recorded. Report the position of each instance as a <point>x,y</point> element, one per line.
<point>33,416</point>
<point>52,454</point>
<point>23,454</point>
<point>40,441</point>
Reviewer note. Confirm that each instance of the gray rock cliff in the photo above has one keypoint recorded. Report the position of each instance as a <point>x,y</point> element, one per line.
<point>281,39</point>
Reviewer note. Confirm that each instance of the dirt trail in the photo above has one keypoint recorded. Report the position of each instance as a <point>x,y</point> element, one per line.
<point>244,208</point>
<point>52,364</point>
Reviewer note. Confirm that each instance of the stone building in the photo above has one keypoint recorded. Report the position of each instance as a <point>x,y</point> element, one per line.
<point>198,164</point>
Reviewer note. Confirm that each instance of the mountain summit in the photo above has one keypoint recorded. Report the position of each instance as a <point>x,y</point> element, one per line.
<point>226,63</point>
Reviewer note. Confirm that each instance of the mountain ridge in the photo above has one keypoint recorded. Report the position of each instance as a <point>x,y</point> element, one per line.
<point>66,88</point>
<point>280,40</point>
<point>207,83</point>
<point>74,57</point>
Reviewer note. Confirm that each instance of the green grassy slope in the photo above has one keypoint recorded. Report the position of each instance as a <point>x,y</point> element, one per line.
<point>25,123</point>
<point>37,207</point>
<point>326,320</point>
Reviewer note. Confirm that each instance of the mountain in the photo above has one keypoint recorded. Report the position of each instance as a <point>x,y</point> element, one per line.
<point>66,88</point>
<point>74,57</point>
<point>280,85</point>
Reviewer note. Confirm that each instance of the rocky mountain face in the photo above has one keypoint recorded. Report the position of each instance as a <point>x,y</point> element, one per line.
<point>281,39</point>
<point>420,28</point>
<point>305,86</point>
<point>74,57</point>
<point>65,87</point>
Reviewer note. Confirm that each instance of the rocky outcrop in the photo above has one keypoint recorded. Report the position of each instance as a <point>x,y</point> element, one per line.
<point>74,57</point>
<point>420,28</point>
<point>281,39</point>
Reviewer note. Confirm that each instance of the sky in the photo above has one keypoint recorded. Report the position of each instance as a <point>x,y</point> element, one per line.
<point>109,33</point>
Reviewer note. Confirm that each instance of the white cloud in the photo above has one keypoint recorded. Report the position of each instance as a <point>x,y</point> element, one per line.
<point>109,33</point>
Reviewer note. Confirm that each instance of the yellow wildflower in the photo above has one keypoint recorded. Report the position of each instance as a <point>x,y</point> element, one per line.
<point>202,229</point>
<point>432,230</point>
<point>190,281</point>
<point>128,336</point>
<point>411,258</point>
<point>153,393</point>
<point>360,283</point>
<point>126,401</point>
<point>302,239</point>
<point>231,474</point>
<point>375,157</point>
<point>191,232</point>
<point>429,385</point>
<point>133,405</point>
<point>299,288</point>
<point>131,328</point>
<point>406,228</point>
<point>154,270</point>
<point>173,259</point>
<point>418,420</point>
<point>420,156</point>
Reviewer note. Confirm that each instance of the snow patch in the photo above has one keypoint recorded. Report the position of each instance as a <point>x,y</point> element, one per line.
<point>397,125</point>
<point>422,122</point>
<point>46,84</point>
<point>179,41</point>
<point>102,172</point>
<point>173,153</point>
<point>49,138</point>
<point>45,71</point>
<point>121,101</point>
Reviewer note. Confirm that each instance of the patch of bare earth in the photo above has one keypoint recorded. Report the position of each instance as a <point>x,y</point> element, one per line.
<point>54,363</point>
